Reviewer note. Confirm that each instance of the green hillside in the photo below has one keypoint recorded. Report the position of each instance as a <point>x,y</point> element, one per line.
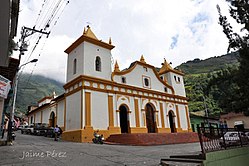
<point>208,83</point>
<point>33,88</point>
<point>198,66</point>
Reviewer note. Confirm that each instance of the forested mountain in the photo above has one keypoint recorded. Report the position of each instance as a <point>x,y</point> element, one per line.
<point>198,66</point>
<point>33,88</point>
<point>210,84</point>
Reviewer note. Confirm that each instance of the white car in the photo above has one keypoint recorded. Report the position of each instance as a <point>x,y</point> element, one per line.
<point>232,138</point>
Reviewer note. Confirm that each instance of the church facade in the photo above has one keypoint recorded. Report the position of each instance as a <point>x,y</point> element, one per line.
<point>139,99</point>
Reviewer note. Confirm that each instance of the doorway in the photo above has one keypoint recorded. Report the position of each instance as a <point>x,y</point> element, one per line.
<point>172,122</point>
<point>52,119</point>
<point>150,119</point>
<point>123,116</point>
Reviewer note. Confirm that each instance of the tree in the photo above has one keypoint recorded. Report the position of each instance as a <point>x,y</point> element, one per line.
<point>239,10</point>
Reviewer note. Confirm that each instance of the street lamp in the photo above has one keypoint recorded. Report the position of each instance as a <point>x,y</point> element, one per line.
<point>14,99</point>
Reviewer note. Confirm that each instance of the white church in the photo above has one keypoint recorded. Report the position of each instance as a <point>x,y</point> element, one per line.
<point>138,99</point>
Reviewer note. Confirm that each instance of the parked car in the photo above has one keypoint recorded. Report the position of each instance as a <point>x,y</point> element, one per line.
<point>247,134</point>
<point>26,129</point>
<point>40,128</point>
<point>30,129</point>
<point>232,138</point>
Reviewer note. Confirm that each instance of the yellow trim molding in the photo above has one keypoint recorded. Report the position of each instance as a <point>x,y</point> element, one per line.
<point>178,118</point>
<point>188,120</point>
<point>164,130</point>
<point>81,109</point>
<point>138,130</point>
<point>87,109</point>
<point>162,115</point>
<point>65,113</point>
<point>137,113</point>
<point>110,111</point>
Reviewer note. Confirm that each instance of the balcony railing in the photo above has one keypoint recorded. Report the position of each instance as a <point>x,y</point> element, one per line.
<point>214,139</point>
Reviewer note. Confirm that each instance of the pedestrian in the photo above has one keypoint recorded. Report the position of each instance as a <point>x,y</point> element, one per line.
<point>56,131</point>
<point>4,129</point>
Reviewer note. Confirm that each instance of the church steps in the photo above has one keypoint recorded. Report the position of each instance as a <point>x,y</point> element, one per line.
<point>152,138</point>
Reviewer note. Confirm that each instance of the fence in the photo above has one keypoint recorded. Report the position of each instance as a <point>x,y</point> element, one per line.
<point>214,139</point>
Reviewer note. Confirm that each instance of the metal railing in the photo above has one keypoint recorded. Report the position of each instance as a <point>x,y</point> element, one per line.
<point>215,139</point>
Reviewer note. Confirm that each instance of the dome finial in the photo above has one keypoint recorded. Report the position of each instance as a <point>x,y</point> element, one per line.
<point>142,59</point>
<point>116,67</point>
<point>110,40</point>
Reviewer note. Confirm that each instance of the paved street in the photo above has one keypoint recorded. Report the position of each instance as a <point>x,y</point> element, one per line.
<point>39,150</point>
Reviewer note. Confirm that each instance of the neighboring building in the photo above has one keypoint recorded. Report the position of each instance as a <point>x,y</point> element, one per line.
<point>235,119</point>
<point>139,99</point>
<point>9,11</point>
<point>47,111</point>
<point>198,119</point>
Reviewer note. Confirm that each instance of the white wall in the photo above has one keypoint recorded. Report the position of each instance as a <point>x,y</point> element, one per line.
<point>91,51</point>
<point>73,111</point>
<point>86,54</point>
<point>60,113</point>
<point>77,54</point>
<point>183,118</point>
<point>38,117</point>
<point>136,78</point>
<point>100,115</point>
<point>178,86</point>
<point>46,115</point>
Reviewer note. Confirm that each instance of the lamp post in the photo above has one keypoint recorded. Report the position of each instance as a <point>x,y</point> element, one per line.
<point>14,99</point>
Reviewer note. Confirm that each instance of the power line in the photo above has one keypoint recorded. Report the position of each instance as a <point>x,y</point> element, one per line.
<point>50,19</point>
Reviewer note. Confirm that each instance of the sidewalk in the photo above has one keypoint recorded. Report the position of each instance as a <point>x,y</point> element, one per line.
<point>3,142</point>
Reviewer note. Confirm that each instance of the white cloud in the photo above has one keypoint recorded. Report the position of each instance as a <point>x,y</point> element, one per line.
<point>136,27</point>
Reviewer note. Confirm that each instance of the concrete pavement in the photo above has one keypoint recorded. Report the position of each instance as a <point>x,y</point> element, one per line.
<point>39,151</point>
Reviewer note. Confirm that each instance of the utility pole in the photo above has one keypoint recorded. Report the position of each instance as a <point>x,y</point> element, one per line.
<point>26,32</point>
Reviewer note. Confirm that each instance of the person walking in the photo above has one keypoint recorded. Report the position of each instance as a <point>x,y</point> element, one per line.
<point>56,132</point>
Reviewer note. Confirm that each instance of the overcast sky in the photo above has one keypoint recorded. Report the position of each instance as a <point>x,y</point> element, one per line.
<point>178,30</point>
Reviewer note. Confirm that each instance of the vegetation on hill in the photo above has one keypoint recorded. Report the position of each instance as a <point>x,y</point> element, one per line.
<point>210,84</point>
<point>33,88</point>
<point>198,66</point>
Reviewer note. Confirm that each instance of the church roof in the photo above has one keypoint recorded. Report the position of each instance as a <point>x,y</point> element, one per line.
<point>89,33</point>
<point>90,37</point>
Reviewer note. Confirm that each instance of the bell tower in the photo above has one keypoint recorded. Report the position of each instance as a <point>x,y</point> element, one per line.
<point>89,56</point>
<point>173,77</point>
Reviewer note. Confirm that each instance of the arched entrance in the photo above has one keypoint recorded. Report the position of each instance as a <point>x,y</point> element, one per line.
<point>172,122</point>
<point>124,123</point>
<point>150,119</point>
<point>52,119</point>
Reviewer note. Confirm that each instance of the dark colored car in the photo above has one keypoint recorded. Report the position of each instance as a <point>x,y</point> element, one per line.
<point>40,128</point>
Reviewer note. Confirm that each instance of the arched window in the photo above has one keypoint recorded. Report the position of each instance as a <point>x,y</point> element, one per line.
<point>98,64</point>
<point>74,66</point>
